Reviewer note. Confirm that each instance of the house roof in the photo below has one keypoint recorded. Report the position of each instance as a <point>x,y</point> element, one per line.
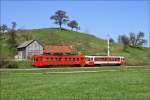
<point>56,49</point>
<point>25,44</point>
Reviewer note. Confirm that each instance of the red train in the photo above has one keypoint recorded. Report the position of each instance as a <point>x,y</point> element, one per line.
<point>80,60</point>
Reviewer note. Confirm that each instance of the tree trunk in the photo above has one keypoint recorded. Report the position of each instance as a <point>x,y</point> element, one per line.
<point>60,25</point>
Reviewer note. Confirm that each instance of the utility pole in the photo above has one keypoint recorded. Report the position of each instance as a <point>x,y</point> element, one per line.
<point>108,47</point>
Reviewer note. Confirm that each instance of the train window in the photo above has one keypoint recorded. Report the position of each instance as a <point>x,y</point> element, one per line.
<point>87,59</point>
<point>65,59</point>
<point>51,59</point>
<point>105,59</point>
<point>109,59</point>
<point>70,59</point>
<point>46,59</point>
<point>77,59</point>
<point>113,59</point>
<point>54,59</point>
<point>39,59</point>
<point>74,59</point>
<point>36,59</point>
<point>117,59</point>
<point>99,59</point>
<point>59,59</point>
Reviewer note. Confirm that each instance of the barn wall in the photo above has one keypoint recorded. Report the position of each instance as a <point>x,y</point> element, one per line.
<point>22,53</point>
<point>33,48</point>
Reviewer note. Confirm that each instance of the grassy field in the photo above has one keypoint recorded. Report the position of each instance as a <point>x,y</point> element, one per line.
<point>98,83</point>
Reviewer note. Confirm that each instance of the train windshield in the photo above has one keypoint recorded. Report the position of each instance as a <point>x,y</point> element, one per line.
<point>88,59</point>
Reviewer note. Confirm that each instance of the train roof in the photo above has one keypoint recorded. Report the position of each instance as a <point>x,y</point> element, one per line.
<point>45,55</point>
<point>103,56</point>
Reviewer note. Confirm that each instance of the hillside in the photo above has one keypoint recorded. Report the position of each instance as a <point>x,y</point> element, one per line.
<point>81,42</point>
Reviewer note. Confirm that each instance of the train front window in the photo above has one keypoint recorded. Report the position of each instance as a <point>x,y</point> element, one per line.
<point>87,59</point>
<point>122,59</point>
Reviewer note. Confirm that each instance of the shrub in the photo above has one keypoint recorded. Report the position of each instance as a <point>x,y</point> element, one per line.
<point>12,64</point>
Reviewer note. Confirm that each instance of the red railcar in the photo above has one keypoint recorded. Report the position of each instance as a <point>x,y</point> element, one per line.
<point>46,60</point>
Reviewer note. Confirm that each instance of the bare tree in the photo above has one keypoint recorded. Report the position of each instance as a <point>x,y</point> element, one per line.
<point>136,40</point>
<point>12,37</point>
<point>125,40</point>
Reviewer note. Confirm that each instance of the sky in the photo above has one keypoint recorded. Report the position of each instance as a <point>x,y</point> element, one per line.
<point>96,17</point>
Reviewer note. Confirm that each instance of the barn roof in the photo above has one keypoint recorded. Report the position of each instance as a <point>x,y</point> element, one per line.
<point>25,44</point>
<point>56,49</point>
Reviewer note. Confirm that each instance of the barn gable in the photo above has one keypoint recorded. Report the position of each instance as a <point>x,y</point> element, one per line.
<point>29,48</point>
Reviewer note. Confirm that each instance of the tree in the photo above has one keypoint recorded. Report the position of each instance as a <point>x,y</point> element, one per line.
<point>132,37</point>
<point>140,39</point>
<point>78,28</point>
<point>125,40</point>
<point>60,18</point>
<point>3,28</point>
<point>111,40</point>
<point>119,39</point>
<point>12,37</point>
<point>13,25</point>
<point>136,40</point>
<point>73,24</point>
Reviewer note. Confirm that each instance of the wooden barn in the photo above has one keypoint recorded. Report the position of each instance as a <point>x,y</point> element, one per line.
<point>28,48</point>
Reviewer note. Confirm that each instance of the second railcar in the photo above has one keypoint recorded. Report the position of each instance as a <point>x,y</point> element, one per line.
<point>104,60</point>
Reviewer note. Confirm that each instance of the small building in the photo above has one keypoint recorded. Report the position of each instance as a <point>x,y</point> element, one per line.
<point>28,48</point>
<point>56,49</point>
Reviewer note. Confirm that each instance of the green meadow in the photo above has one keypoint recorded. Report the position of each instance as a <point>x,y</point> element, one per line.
<point>97,83</point>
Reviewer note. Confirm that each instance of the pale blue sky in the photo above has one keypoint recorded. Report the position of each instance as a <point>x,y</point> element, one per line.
<point>95,17</point>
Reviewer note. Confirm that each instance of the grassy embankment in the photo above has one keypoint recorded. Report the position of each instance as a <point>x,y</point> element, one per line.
<point>108,83</point>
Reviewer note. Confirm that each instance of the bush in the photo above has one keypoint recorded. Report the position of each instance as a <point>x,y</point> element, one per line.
<point>12,64</point>
<point>8,64</point>
<point>24,64</point>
